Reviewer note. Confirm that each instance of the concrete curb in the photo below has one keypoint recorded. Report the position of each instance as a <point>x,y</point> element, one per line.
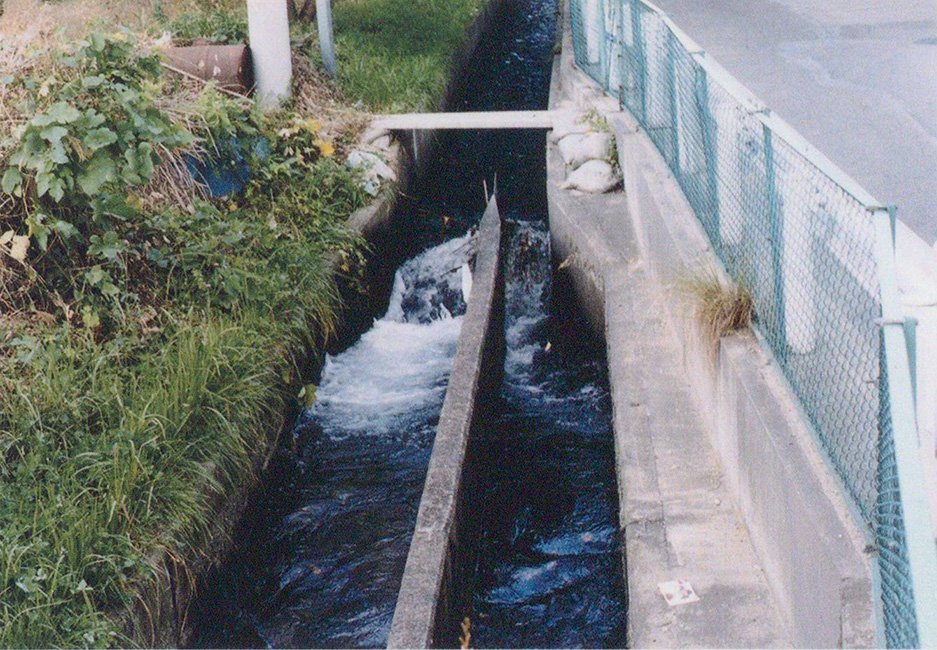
<point>425,609</point>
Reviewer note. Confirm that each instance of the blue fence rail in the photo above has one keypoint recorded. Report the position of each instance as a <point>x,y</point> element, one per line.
<point>815,250</point>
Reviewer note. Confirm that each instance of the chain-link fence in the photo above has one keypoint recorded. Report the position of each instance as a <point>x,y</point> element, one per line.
<point>790,228</point>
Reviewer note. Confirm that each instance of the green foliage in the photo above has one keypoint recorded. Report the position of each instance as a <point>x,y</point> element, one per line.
<point>99,134</point>
<point>216,24</point>
<point>395,56</point>
<point>105,450</point>
<point>222,122</point>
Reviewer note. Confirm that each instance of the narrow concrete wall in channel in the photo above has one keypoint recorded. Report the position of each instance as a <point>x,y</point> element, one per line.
<point>427,612</point>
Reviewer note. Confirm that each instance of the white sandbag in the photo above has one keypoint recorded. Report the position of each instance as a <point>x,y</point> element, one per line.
<point>567,124</point>
<point>372,134</point>
<point>595,176</point>
<point>383,143</point>
<point>578,148</point>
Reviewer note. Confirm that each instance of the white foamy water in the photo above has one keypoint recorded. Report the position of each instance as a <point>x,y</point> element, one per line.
<point>396,375</point>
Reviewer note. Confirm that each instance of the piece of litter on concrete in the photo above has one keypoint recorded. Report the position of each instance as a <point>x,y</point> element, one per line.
<point>677,592</point>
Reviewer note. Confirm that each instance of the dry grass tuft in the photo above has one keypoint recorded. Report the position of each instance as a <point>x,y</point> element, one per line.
<point>317,96</point>
<point>36,22</point>
<point>719,309</point>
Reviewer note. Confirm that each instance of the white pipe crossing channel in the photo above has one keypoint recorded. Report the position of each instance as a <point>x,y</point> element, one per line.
<point>476,120</point>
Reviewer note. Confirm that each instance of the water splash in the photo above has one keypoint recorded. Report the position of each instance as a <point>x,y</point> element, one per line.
<point>329,543</point>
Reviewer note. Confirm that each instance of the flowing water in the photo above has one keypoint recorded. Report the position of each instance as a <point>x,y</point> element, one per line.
<point>549,570</point>
<point>321,552</point>
<point>322,562</point>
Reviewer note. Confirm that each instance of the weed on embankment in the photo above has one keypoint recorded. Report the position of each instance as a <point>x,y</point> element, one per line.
<point>148,332</point>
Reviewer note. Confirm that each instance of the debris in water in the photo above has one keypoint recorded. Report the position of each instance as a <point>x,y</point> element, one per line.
<point>466,282</point>
<point>677,592</point>
<point>465,639</point>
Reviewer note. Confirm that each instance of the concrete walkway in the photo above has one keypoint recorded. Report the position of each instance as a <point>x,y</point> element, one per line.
<point>677,515</point>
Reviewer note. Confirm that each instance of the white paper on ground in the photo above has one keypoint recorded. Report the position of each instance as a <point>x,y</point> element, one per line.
<point>677,592</point>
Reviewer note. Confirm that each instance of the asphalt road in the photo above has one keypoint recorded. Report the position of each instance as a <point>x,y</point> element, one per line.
<point>858,78</point>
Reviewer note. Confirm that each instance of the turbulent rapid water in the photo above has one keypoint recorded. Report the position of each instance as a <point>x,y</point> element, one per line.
<point>323,558</point>
<point>549,564</point>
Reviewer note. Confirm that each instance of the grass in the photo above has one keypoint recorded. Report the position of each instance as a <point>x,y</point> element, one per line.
<point>719,309</point>
<point>394,56</point>
<point>115,448</point>
<point>118,433</point>
<point>102,452</point>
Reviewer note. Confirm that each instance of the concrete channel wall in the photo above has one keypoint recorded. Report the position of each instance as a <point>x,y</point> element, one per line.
<point>427,612</point>
<point>806,533</point>
<point>812,549</point>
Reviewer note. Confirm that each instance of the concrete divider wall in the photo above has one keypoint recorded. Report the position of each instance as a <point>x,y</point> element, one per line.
<point>433,585</point>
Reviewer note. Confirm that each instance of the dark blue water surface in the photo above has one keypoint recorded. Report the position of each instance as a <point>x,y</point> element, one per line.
<point>549,560</point>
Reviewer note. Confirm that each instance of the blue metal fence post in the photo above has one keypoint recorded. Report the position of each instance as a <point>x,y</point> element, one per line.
<point>910,335</point>
<point>674,104</point>
<point>776,234</point>
<point>709,148</point>
<point>637,37</point>
<point>603,46</point>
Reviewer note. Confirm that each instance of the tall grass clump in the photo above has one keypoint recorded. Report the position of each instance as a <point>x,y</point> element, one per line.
<point>719,308</point>
<point>106,460</point>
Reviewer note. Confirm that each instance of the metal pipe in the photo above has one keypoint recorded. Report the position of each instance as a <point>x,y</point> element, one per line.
<point>229,66</point>
<point>326,36</point>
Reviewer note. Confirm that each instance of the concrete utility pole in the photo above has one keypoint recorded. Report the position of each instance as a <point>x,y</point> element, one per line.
<point>326,37</point>
<point>269,30</point>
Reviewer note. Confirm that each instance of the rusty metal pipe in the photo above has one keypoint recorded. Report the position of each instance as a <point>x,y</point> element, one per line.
<point>227,65</point>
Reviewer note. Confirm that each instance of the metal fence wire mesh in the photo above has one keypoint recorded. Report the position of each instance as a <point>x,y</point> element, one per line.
<point>796,239</point>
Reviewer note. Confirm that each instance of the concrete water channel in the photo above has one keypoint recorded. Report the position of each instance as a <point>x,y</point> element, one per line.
<point>322,551</point>
<point>527,444</point>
